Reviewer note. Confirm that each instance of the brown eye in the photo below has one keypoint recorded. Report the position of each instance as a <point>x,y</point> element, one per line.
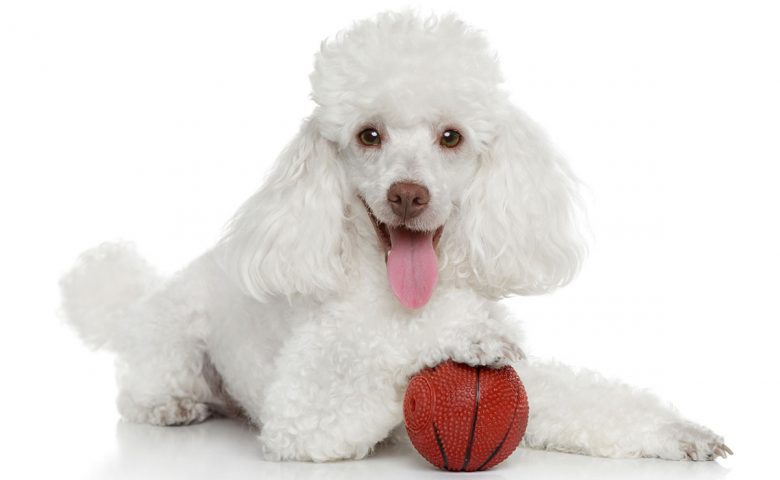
<point>370,137</point>
<point>450,139</point>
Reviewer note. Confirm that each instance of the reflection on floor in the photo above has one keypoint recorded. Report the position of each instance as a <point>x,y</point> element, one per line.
<point>226,449</point>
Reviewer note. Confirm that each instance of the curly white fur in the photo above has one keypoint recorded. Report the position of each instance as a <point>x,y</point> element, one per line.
<point>290,319</point>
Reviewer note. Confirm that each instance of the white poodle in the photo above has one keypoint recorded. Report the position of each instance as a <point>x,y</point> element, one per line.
<point>412,200</point>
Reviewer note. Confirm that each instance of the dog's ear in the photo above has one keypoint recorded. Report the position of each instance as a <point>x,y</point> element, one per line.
<point>289,237</point>
<point>518,216</point>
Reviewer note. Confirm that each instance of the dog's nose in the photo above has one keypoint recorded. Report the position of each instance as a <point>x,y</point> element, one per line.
<point>407,199</point>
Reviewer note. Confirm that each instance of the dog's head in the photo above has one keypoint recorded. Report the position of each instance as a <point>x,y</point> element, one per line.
<point>457,182</point>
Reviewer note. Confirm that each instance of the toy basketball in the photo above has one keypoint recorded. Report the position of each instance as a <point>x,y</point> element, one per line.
<point>463,418</point>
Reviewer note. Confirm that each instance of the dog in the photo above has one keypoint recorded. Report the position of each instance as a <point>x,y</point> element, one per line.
<point>412,200</point>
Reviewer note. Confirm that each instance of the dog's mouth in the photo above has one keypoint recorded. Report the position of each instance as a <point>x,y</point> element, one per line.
<point>410,255</point>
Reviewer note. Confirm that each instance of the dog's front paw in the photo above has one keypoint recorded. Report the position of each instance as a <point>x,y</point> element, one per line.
<point>489,349</point>
<point>281,441</point>
<point>684,440</point>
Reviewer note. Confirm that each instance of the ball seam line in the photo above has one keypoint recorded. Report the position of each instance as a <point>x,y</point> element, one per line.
<point>470,444</point>
<point>441,446</point>
<point>501,443</point>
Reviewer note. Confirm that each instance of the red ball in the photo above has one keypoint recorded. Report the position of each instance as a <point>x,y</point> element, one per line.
<point>463,418</point>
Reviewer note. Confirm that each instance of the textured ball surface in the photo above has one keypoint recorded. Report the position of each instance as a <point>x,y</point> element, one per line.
<point>463,418</point>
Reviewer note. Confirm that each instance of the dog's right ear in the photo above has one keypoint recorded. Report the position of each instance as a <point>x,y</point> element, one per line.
<point>289,237</point>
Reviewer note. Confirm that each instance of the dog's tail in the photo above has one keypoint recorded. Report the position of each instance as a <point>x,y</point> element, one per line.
<point>99,291</point>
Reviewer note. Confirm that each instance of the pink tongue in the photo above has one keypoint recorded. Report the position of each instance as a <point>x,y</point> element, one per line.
<point>411,266</point>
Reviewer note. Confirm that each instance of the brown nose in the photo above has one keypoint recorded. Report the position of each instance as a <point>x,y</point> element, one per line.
<point>407,199</point>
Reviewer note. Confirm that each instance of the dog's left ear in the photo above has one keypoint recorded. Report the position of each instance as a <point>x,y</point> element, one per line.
<point>289,237</point>
<point>518,216</point>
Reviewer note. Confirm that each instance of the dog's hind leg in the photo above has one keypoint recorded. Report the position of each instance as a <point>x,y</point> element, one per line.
<point>166,387</point>
<point>161,379</point>
<point>160,368</point>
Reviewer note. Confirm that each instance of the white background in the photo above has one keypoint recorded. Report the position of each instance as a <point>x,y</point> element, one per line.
<point>152,120</point>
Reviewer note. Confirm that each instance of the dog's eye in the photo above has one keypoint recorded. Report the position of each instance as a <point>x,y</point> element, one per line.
<point>370,137</point>
<point>450,139</point>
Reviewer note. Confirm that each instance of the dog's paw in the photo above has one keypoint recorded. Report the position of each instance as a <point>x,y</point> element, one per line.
<point>685,440</point>
<point>281,441</point>
<point>487,349</point>
<point>176,411</point>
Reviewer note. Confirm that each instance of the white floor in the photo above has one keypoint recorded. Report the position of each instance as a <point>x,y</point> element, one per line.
<point>225,449</point>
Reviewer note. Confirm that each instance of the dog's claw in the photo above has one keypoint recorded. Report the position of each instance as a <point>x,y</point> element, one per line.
<point>697,443</point>
<point>727,449</point>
